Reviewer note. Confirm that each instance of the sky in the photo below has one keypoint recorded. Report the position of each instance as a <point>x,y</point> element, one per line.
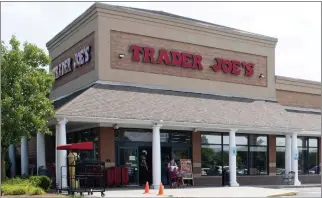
<point>296,25</point>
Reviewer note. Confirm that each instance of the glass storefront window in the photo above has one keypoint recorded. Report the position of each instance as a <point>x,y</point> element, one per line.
<point>84,136</point>
<point>257,140</point>
<point>251,154</point>
<point>280,141</point>
<point>211,163</point>
<point>308,161</point>
<point>210,139</point>
<point>178,154</point>
<point>178,136</point>
<point>302,142</point>
<point>258,160</point>
<point>313,142</point>
<point>242,160</point>
<point>302,162</point>
<point>130,135</point>
<point>166,136</point>
<point>280,160</point>
<point>313,161</point>
<point>240,139</point>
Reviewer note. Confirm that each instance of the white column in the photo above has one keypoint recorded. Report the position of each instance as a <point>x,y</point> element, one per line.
<point>24,156</point>
<point>288,153</point>
<point>295,156</point>
<point>156,156</point>
<point>61,159</point>
<point>56,158</point>
<point>12,158</point>
<point>41,153</point>
<point>232,158</point>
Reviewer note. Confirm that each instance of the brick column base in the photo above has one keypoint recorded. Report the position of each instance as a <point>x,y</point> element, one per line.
<point>196,153</point>
<point>106,144</point>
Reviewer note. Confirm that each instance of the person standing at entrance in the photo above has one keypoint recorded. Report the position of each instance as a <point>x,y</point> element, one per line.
<point>165,171</point>
<point>173,170</point>
<point>144,169</point>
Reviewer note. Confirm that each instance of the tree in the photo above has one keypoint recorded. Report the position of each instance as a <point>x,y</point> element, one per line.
<point>25,89</point>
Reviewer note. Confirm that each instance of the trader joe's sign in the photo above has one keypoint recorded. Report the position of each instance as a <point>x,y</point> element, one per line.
<point>187,60</point>
<point>68,65</point>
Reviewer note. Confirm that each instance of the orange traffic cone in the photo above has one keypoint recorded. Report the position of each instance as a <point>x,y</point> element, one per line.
<point>147,188</point>
<point>161,188</point>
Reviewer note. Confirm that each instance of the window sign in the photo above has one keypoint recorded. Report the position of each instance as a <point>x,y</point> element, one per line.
<point>296,155</point>
<point>233,151</point>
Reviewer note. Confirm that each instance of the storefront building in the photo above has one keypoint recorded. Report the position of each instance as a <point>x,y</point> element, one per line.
<point>134,80</point>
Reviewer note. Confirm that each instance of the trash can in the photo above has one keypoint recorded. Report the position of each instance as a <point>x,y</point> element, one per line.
<point>225,178</point>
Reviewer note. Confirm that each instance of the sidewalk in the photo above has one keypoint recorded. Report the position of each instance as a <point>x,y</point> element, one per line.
<point>202,192</point>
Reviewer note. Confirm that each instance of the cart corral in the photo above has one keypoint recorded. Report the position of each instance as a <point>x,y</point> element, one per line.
<point>83,176</point>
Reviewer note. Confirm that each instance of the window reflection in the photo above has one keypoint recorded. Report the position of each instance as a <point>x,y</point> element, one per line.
<point>178,154</point>
<point>133,136</point>
<point>280,141</point>
<point>256,140</point>
<point>301,141</point>
<point>258,160</point>
<point>178,137</point>
<point>136,135</point>
<point>211,163</point>
<point>242,160</point>
<point>211,139</point>
<point>308,161</point>
<point>89,135</point>
<point>313,161</point>
<point>313,142</point>
<point>280,160</point>
<point>240,139</point>
<point>251,154</point>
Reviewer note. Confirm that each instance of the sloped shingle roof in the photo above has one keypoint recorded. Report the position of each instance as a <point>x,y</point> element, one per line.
<point>106,101</point>
<point>304,120</point>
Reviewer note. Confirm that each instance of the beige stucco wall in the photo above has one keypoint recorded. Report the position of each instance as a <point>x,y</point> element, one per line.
<point>102,20</point>
<point>144,25</point>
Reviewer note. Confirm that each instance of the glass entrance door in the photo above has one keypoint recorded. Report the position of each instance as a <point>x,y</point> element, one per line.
<point>128,157</point>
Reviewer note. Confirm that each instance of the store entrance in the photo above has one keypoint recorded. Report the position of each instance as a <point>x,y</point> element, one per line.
<point>134,150</point>
<point>145,164</point>
<point>128,157</point>
<point>166,156</point>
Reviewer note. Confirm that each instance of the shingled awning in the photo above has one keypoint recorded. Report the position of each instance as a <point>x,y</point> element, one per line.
<point>308,122</point>
<point>132,103</point>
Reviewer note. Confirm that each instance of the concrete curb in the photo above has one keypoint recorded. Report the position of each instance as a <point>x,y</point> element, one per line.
<point>283,194</point>
<point>288,186</point>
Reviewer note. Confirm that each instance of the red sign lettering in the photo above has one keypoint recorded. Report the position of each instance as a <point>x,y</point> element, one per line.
<point>176,58</point>
<point>187,60</point>
<point>233,67</point>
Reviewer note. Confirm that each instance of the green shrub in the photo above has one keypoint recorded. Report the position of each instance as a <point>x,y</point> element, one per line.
<point>35,191</point>
<point>40,181</point>
<point>16,181</point>
<point>8,189</point>
<point>34,185</point>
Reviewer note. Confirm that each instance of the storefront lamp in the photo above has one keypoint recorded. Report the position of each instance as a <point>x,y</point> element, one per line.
<point>261,76</point>
<point>116,126</point>
<point>121,55</point>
